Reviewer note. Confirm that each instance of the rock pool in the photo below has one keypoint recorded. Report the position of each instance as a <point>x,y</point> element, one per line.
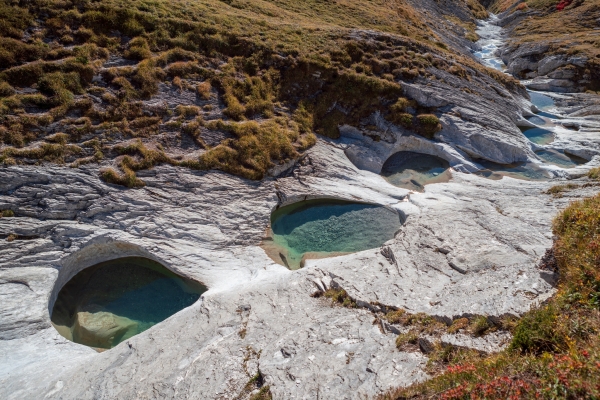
<point>325,228</point>
<point>110,302</point>
<point>539,135</point>
<point>413,171</point>
<point>524,171</point>
<point>560,159</point>
<point>541,101</point>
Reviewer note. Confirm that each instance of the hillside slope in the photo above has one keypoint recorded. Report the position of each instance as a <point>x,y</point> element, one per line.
<point>235,85</point>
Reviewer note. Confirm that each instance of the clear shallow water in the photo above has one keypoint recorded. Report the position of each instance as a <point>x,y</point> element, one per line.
<point>541,101</point>
<point>413,171</point>
<point>490,41</point>
<point>110,302</point>
<point>524,171</point>
<point>539,135</point>
<point>560,159</point>
<point>323,228</point>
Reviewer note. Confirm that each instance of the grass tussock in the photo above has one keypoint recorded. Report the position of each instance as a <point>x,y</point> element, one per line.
<point>594,173</point>
<point>555,350</point>
<point>558,190</point>
<point>7,213</point>
<point>136,156</point>
<point>255,389</point>
<point>257,146</point>
<point>52,152</point>
<point>338,296</point>
<point>264,393</point>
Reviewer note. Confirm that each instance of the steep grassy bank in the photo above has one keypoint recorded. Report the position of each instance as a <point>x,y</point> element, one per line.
<point>235,85</point>
<point>555,351</point>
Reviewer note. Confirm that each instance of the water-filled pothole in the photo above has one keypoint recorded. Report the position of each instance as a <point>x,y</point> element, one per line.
<point>110,302</point>
<point>541,122</point>
<point>560,159</point>
<point>410,170</point>
<point>524,171</point>
<point>541,101</point>
<point>539,136</point>
<point>325,228</point>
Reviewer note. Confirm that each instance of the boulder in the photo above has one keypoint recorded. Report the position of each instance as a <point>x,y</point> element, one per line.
<point>102,329</point>
<point>551,63</point>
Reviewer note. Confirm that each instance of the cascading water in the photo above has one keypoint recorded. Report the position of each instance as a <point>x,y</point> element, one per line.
<point>547,123</point>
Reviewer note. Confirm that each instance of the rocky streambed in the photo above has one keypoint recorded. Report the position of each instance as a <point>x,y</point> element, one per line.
<point>468,246</point>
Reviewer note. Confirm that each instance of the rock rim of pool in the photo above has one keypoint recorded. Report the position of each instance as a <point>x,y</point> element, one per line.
<point>326,227</point>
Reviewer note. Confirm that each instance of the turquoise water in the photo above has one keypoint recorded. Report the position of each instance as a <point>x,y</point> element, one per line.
<point>413,171</point>
<point>524,171</point>
<point>539,135</point>
<point>539,121</point>
<point>560,159</point>
<point>110,302</point>
<point>323,228</point>
<point>541,101</point>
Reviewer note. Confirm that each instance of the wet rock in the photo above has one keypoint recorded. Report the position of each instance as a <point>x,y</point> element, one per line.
<point>102,329</point>
<point>208,228</point>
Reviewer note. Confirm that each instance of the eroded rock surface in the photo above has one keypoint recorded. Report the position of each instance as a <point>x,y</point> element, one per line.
<point>546,61</point>
<point>468,247</point>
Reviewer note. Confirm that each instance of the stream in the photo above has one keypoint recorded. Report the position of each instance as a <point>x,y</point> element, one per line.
<point>546,124</point>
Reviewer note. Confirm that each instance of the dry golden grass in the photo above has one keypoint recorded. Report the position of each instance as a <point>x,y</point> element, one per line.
<point>253,56</point>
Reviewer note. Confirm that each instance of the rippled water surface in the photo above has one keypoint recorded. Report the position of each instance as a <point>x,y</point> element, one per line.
<point>110,302</point>
<point>322,228</point>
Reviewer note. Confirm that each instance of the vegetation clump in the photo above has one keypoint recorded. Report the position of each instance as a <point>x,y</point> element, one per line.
<point>558,190</point>
<point>338,296</point>
<point>594,173</point>
<point>428,125</point>
<point>7,213</point>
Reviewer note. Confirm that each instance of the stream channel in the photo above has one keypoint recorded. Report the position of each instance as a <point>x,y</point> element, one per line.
<point>546,121</point>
